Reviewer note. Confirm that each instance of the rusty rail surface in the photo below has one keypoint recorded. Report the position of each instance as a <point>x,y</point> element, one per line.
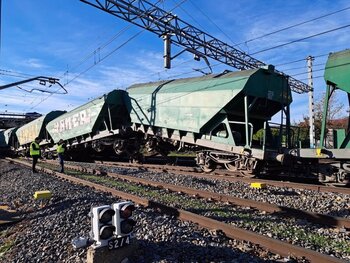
<point>286,211</point>
<point>273,245</point>
<point>193,171</point>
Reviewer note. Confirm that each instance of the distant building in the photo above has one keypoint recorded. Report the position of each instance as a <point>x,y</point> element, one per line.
<point>12,119</point>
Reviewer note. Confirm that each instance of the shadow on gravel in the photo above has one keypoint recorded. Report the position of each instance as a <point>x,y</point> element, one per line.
<point>189,252</point>
<point>14,169</point>
<point>203,181</point>
<point>344,212</point>
<point>284,193</point>
<point>55,207</point>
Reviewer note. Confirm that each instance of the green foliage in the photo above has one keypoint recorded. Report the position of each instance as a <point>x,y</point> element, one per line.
<point>6,247</point>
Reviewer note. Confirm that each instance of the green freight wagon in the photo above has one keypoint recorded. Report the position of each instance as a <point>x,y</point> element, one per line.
<point>332,156</point>
<point>95,124</point>
<point>11,138</point>
<point>219,113</point>
<point>3,144</point>
<point>337,76</point>
<point>8,141</point>
<point>36,128</point>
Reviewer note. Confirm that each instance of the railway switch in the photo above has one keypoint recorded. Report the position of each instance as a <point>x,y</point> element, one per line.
<point>102,226</point>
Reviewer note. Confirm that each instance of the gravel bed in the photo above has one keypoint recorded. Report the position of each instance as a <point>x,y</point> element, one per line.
<point>45,234</point>
<point>325,240</point>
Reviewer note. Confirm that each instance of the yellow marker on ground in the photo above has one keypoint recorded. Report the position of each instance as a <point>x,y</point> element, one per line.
<point>258,185</point>
<point>40,195</point>
<point>318,152</point>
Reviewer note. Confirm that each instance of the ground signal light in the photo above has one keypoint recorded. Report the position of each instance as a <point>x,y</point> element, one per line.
<point>102,225</point>
<point>123,221</point>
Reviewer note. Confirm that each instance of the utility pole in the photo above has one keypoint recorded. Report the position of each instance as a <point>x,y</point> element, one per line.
<point>310,59</point>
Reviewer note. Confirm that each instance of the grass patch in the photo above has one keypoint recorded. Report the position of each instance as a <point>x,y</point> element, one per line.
<point>246,219</point>
<point>314,239</point>
<point>185,154</point>
<point>6,247</point>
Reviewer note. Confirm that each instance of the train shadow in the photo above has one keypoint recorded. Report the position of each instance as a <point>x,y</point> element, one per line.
<point>188,251</point>
<point>203,181</point>
<point>284,192</point>
<point>57,205</point>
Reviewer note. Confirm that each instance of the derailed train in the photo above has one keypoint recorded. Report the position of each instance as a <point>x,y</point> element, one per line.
<point>225,118</point>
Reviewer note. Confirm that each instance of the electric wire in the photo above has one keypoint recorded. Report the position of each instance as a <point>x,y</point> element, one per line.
<point>321,76</point>
<point>300,39</point>
<point>299,60</point>
<point>113,39</point>
<point>301,73</point>
<point>295,25</point>
<point>93,53</point>
<point>210,20</point>
<point>83,72</point>
<point>78,75</point>
<point>321,69</point>
<point>19,74</point>
<point>315,65</point>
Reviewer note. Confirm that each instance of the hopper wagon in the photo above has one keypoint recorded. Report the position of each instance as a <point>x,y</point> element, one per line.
<point>36,128</point>
<point>101,124</point>
<point>8,141</point>
<point>4,147</point>
<point>220,115</point>
<point>331,157</point>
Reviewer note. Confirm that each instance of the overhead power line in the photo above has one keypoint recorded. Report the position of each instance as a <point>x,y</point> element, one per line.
<point>299,60</point>
<point>305,72</point>
<point>317,77</point>
<point>295,25</point>
<point>106,56</point>
<point>200,10</point>
<point>16,74</point>
<point>315,65</point>
<point>301,39</point>
<point>176,30</point>
<point>110,53</point>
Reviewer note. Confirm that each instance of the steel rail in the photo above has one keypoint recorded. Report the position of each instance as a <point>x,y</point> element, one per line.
<point>273,245</point>
<point>225,176</point>
<point>318,218</point>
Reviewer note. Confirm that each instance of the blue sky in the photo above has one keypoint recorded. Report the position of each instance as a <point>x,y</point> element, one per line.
<point>52,38</point>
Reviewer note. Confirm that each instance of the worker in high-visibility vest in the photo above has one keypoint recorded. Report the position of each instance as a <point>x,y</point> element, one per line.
<point>34,152</point>
<point>61,148</point>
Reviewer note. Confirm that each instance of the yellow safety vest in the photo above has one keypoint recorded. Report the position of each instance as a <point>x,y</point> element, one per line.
<point>32,151</point>
<point>60,148</point>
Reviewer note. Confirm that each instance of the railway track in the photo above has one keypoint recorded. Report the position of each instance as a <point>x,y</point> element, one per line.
<point>271,208</point>
<point>224,175</point>
<point>273,245</point>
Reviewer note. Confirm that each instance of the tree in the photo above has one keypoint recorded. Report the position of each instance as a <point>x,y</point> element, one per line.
<point>335,118</point>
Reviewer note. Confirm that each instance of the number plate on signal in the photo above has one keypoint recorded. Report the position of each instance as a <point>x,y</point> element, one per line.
<point>118,242</point>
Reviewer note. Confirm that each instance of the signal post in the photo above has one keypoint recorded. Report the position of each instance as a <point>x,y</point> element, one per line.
<point>112,232</point>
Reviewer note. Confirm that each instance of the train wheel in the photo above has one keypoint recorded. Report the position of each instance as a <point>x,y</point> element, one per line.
<point>252,168</point>
<point>343,179</point>
<point>50,156</point>
<point>98,147</point>
<point>232,167</point>
<point>208,166</point>
<point>247,174</point>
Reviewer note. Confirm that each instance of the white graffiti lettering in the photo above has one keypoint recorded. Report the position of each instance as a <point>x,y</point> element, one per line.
<point>79,119</point>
